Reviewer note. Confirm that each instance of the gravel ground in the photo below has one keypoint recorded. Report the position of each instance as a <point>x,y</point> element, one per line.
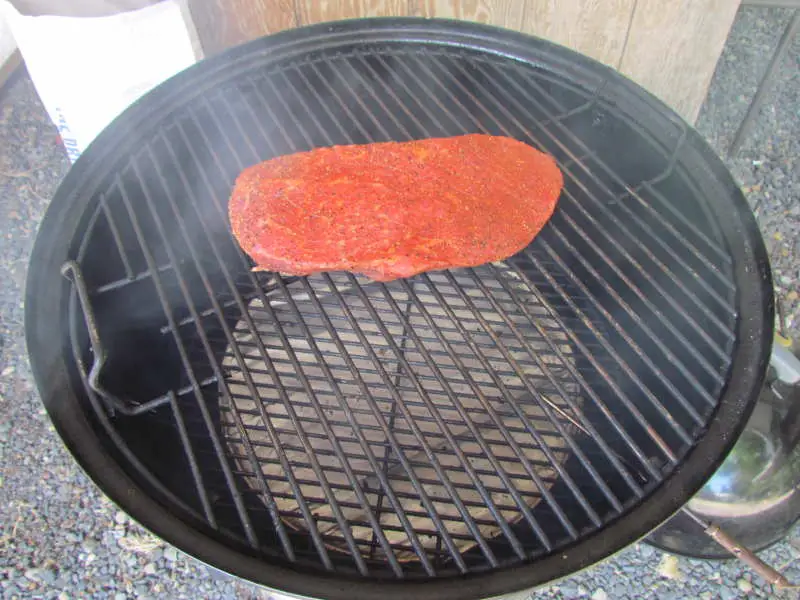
<point>768,164</point>
<point>60,538</point>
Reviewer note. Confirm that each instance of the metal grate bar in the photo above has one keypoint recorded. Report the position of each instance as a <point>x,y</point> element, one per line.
<point>391,92</point>
<point>432,96</point>
<point>529,427</point>
<point>542,382</point>
<point>601,406</point>
<point>367,473</point>
<point>548,407</point>
<point>354,74</point>
<point>508,305</point>
<point>458,560</point>
<point>723,302</point>
<point>197,476</point>
<point>413,376</point>
<point>419,550</point>
<point>588,238</point>
<point>416,363</point>
<point>384,398</point>
<point>112,225</point>
<point>358,429</point>
<point>398,400</point>
<point>410,420</point>
<point>440,378</point>
<point>120,283</point>
<point>354,425</point>
<point>603,208</point>
<point>657,439</point>
<point>690,409</point>
<point>702,392</point>
<point>502,428</point>
<point>344,106</point>
<point>607,491</point>
<point>282,534</point>
<point>711,244</point>
<point>455,100</point>
<point>407,447</point>
<point>400,430</point>
<point>476,434</point>
<point>623,365</point>
<point>224,304</point>
<point>684,435</point>
<point>662,201</point>
<point>313,532</point>
<point>241,511</point>
<point>100,407</point>
<point>455,519</point>
<point>388,431</point>
<point>713,345</point>
<point>580,422</point>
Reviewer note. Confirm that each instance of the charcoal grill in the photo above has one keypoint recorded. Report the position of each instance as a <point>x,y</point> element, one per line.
<point>459,434</point>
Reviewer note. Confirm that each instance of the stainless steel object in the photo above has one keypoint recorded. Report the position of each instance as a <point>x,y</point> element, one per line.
<point>755,495</point>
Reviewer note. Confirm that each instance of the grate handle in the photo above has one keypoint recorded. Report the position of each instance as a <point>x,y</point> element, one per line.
<point>72,271</point>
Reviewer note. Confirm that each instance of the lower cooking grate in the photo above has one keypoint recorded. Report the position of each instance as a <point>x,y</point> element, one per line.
<point>395,398</point>
<point>451,423</point>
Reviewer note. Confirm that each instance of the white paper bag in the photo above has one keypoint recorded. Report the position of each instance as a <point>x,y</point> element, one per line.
<point>88,69</point>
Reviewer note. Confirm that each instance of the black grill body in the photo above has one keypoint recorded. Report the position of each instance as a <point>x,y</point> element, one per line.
<point>464,433</point>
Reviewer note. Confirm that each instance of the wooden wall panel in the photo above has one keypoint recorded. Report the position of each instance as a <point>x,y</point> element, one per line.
<point>597,28</point>
<point>673,47</point>
<point>670,47</point>
<point>317,11</point>
<point>503,13</point>
<point>221,24</point>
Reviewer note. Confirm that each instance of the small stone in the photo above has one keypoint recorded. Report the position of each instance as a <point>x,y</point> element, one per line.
<point>170,554</point>
<point>63,596</point>
<point>150,569</point>
<point>120,596</point>
<point>218,575</point>
<point>726,593</point>
<point>668,567</point>
<point>72,537</point>
<point>120,518</point>
<point>567,588</point>
<point>646,550</point>
<point>706,595</point>
<point>41,575</point>
<point>744,585</point>
<point>599,594</point>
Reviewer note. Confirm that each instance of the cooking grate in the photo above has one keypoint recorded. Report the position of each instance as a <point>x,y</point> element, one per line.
<point>455,422</point>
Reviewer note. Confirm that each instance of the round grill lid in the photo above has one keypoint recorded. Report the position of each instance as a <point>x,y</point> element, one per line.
<point>462,433</point>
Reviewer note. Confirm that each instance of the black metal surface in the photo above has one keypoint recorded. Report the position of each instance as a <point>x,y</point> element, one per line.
<point>330,436</point>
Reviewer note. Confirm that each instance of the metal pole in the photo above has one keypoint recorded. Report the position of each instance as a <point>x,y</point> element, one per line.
<point>758,99</point>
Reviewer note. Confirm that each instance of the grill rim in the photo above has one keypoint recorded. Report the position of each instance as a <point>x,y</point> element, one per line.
<point>47,293</point>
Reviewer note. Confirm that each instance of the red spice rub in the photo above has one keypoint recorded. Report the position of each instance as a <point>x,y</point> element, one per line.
<point>394,209</point>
